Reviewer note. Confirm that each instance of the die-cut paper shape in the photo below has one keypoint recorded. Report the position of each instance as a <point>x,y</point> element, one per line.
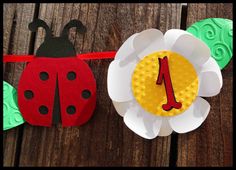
<point>11,114</point>
<point>217,33</point>
<point>139,95</point>
<point>56,85</point>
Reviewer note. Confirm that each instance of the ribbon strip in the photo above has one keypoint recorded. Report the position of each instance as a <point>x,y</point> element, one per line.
<point>87,56</point>
<point>17,58</point>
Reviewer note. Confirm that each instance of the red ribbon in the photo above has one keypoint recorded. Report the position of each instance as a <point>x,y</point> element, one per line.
<point>87,56</point>
<point>17,58</point>
<point>97,55</point>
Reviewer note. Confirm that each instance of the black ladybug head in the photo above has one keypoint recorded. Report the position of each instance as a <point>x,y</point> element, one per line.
<point>56,46</point>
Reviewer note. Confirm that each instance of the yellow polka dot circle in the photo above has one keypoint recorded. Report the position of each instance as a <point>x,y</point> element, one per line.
<point>152,96</point>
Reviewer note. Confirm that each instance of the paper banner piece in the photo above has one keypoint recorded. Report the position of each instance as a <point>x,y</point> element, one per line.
<point>56,85</point>
<point>11,114</point>
<point>87,56</point>
<point>158,91</point>
<point>217,33</point>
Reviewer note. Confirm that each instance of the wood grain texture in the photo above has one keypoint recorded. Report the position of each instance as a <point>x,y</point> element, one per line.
<point>105,140</point>
<point>211,144</point>
<point>16,41</point>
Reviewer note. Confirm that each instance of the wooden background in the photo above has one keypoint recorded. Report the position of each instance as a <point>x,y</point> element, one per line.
<point>105,140</point>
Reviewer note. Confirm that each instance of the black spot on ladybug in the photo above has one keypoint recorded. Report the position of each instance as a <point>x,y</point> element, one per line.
<point>71,110</point>
<point>28,94</point>
<point>86,94</point>
<point>71,75</point>
<point>43,109</point>
<point>44,76</point>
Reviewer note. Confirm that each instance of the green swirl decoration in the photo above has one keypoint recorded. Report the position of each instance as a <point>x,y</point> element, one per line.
<point>220,52</point>
<point>217,33</point>
<point>208,32</point>
<point>11,114</point>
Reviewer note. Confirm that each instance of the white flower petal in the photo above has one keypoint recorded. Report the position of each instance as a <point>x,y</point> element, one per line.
<point>192,118</point>
<point>172,35</point>
<point>122,107</point>
<point>210,79</point>
<point>142,123</point>
<point>126,49</point>
<point>148,41</point>
<point>165,130</point>
<point>119,80</point>
<point>195,50</point>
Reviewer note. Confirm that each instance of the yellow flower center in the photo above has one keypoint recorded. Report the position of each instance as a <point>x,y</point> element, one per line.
<point>151,96</point>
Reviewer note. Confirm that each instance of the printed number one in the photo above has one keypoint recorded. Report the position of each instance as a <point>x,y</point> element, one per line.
<point>164,73</point>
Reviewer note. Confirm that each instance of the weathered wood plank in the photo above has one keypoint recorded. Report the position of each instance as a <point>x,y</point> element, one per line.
<point>169,18</point>
<point>104,140</point>
<point>9,140</point>
<point>211,144</point>
<point>16,40</point>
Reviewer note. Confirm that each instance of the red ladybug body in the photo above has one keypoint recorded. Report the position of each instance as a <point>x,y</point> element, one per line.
<point>62,78</point>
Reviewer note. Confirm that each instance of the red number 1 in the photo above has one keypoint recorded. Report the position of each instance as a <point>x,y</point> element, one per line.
<point>165,74</point>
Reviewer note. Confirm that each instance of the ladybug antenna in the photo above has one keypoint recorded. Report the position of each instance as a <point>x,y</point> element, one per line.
<point>73,23</point>
<point>33,26</point>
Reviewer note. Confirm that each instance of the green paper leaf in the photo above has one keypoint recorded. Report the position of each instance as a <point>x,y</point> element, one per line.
<point>217,33</point>
<point>11,114</point>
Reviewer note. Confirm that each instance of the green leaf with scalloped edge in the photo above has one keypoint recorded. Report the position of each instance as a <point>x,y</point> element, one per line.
<point>11,114</point>
<point>217,33</point>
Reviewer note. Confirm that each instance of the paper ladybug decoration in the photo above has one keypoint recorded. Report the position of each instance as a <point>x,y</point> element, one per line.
<point>56,85</point>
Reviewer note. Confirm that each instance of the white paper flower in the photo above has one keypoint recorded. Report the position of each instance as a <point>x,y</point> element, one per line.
<point>121,74</point>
